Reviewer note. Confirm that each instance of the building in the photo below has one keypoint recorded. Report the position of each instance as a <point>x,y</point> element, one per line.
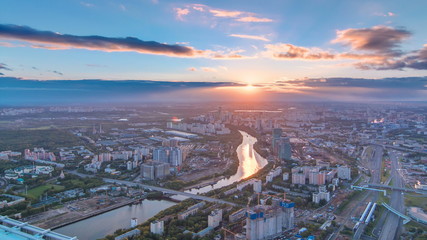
<point>323,194</point>
<point>268,221</point>
<point>153,170</point>
<point>14,229</point>
<point>298,178</point>
<point>317,178</point>
<point>285,176</point>
<point>237,215</point>
<point>191,210</point>
<point>215,218</point>
<point>157,227</point>
<point>344,172</point>
<point>257,186</point>
<point>127,235</point>
<point>284,149</point>
<point>171,155</point>
<point>277,133</point>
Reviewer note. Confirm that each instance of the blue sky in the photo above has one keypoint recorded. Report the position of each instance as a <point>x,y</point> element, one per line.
<point>249,42</point>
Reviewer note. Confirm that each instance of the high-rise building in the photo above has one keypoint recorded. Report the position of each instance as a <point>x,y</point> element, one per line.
<point>175,157</point>
<point>277,133</point>
<point>344,172</point>
<point>215,218</point>
<point>267,221</point>
<point>257,185</point>
<point>298,178</point>
<point>284,149</point>
<point>317,178</point>
<point>157,227</point>
<point>153,170</point>
<point>323,194</point>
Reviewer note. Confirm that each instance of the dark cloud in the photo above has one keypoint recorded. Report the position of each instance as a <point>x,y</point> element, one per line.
<point>109,44</point>
<point>57,72</point>
<point>380,39</point>
<point>1,74</point>
<point>415,60</point>
<point>4,67</point>
<point>414,83</point>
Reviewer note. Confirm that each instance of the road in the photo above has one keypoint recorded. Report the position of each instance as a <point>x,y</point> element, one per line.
<point>375,166</point>
<point>160,189</point>
<point>393,224</point>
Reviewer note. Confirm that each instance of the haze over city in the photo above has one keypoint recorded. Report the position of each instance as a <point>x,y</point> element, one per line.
<point>213,120</point>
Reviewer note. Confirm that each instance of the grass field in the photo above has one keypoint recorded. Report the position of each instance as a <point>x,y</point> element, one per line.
<point>415,201</point>
<point>38,191</point>
<point>18,140</point>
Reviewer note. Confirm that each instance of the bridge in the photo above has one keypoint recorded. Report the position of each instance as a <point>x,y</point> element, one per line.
<point>170,191</point>
<point>160,189</point>
<point>368,188</point>
<point>406,218</point>
<point>397,188</point>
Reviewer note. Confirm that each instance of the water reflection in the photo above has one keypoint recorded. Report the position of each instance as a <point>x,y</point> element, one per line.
<point>250,162</point>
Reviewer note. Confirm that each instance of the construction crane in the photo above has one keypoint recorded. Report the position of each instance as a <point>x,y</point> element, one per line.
<point>228,231</point>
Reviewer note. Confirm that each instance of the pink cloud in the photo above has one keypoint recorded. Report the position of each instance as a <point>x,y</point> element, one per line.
<point>181,12</point>
<point>254,37</point>
<point>254,19</point>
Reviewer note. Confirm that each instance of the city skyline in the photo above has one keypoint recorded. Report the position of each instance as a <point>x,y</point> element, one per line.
<point>340,51</point>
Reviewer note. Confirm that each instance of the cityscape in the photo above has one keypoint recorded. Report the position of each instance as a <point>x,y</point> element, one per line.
<point>222,120</point>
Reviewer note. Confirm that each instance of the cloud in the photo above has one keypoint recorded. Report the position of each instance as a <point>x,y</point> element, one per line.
<point>209,69</point>
<point>1,74</point>
<point>86,4</point>
<point>380,39</point>
<point>192,69</point>
<point>181,12</point>
<point>225,13</point>
<point>289,51</point>
<point>414,60</point>
<point>235,15</point>
<point>254,19</point>
<point>52,40</point>
<point>254,37</point>
<point>57,72</point>
<point>3,66</point>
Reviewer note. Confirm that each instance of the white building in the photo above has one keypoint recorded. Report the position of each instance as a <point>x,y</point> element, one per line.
<point>285,176</point>
<point>215,218</point>
<point>323,194</point>
<point>344,172</point>
<point>157,227</point>
<point>257,186</point>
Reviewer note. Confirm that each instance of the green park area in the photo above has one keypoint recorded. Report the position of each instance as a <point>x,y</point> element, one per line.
<point>38,191</point>
<point>416,201</point>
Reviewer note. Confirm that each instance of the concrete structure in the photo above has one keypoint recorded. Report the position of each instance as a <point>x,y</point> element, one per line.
<point>153,170</point>
<point>298,178</point>
<point>11,229</point>
<point>157,227</point>
<point>215,218</point>
<point>257,186</point>
<point>264,222</point>
<point>323,194</point>
<point>285,176</point>
<point>344,172</point>
<point>317,178</point>
<point>418,214</point>
<point>133,222</point>
<point>191,210</point>
<point>129,234</point>
<point>237,215</point>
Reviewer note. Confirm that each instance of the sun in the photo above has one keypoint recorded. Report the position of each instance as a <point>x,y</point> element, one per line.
<point>249,87</point>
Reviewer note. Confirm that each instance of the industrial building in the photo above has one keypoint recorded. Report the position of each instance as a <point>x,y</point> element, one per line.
<point>11,229</point>
<point>266,221</point>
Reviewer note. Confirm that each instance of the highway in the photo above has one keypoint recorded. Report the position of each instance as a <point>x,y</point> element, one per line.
<point>375,166</point>
<point>160,189</point>
<point>393,224</point>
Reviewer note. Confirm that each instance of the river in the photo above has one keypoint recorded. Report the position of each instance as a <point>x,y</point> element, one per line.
<point>107,223</point>
<point>250,162</point>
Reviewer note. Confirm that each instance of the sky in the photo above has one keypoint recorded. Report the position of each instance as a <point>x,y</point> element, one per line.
<point>275,46</point>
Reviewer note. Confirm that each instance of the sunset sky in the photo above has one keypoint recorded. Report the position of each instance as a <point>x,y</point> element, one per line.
<point>279,45</point>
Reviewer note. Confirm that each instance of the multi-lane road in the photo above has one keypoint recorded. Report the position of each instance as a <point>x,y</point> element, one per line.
<point>375,166</point>
<point>393,224</point>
